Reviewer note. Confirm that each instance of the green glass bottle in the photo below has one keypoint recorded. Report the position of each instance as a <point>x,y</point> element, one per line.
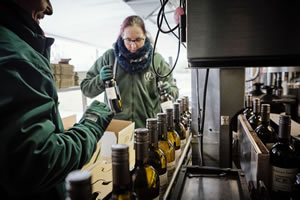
<point>120,171</point>
<point>178,126</point>
<point>164,143</point>
<point>78,185</point>
<point>145,179</point>
<point>173,135</point>
<point>157,157</point>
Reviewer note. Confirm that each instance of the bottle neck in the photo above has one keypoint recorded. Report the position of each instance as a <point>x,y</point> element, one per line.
<point>170,122</point>
<point>162,131</point>
<point>141,152</point>
<point>265,118</point>
<point>121,175</point>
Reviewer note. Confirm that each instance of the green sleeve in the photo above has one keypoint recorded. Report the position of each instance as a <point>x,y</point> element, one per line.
<point>92,85</point>
<point>163,69</point>
<point>36,154</point>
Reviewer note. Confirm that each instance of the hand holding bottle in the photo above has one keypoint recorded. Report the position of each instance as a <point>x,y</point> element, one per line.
<point>166,86</point>
<point>106,73</point>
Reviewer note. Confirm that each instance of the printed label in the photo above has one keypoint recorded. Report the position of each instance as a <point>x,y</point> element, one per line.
<point>283,179</point>
<point>167,104</point>
<point>111,93</point>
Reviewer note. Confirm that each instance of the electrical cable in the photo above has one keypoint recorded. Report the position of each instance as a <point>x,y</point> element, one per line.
<point>201,134</point>
<point>159,23</point>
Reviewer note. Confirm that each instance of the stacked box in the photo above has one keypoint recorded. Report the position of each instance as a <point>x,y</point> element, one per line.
<point>63,75</point>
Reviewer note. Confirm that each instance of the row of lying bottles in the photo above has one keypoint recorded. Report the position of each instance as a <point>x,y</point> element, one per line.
<point>158,148</point>
<point>284,162</point>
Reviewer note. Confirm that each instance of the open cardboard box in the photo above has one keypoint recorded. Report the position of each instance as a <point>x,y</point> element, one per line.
<point>118,131</point>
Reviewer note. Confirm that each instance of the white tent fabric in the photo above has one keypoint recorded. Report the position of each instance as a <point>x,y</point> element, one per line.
<point>83,30</point>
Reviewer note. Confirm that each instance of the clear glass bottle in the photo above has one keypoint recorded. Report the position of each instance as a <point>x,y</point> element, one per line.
<point>113,95</point>
<point>78,185</point>
<point>283,162</point>
<point>173,135</point>
<point>157,157</point>
<point>120,173</point>
<point>178,126</point>
<point>255,119</point>
<point>164,143</point>
<point>248,106</point>
<point>145,179</point>
<point>265,131</point>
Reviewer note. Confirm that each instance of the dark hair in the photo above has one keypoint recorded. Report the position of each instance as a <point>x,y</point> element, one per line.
<point>131,21</point>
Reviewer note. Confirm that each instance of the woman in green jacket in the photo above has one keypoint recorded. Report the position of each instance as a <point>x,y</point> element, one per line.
<point>36,153</point>
<point>135,76</point>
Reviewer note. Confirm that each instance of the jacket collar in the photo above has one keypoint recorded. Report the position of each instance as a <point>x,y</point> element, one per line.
<point>21,23</point>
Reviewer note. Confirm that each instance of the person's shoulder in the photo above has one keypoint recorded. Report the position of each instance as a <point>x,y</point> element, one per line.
<point>158,56</point>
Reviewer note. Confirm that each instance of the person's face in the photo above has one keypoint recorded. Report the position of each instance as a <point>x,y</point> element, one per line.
<point>134,38</point>
<point>37,8</point>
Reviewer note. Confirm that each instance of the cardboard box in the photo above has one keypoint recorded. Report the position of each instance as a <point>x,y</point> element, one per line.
<point>118,131</point>
<point>69,121</point>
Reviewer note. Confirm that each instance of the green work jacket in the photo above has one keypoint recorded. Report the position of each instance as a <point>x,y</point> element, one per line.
<point>36,154</point>
<point>139,93</point>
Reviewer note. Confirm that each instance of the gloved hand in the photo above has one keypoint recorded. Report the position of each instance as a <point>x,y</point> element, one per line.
<point>166,86</point>
<point>106,73</point>
<point>98,112</point>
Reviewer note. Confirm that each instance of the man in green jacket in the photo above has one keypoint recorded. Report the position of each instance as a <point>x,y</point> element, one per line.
<point>36,154</point>
<point>137,81</point>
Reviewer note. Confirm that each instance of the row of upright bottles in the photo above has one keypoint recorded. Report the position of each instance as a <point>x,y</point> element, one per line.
<point>283,159</point>
<point>158,147</point>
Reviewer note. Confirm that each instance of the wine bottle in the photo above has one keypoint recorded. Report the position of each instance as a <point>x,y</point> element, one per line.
<point>248,106</point>
<point>265,131</point>
<point>113,95</point>
<point>164,143</point>
<point>157,157</point>
<point>186,110</point>
<point>173,135</point>
<point>187,116</point>
<point>166,100</point>
<point>278,86</point>
<point>283,161</point>
<point>78,185</point>
<point>178,126</point>
<point>145,179</point>
<point>255,119</point>
<point>183,118</point>
<point>120,173</point>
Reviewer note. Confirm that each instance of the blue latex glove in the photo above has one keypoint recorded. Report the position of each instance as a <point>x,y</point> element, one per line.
<point>106,73</point>
<point>99,113</point>
<point>166,86</point>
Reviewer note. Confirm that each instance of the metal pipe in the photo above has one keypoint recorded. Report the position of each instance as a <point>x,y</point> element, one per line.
<point>185,150</point>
